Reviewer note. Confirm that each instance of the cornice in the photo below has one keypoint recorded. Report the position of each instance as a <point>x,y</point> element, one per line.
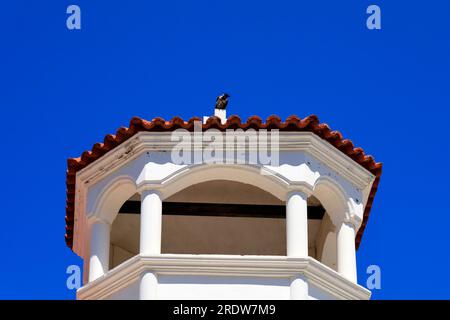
<point>130,271</point>
<point>306,142</point>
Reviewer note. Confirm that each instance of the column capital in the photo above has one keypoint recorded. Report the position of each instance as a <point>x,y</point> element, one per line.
<point>297,191</point>
<point>150,187</point>
<point>144,192</point>
<point>97,220</point>
<point>351,220</point>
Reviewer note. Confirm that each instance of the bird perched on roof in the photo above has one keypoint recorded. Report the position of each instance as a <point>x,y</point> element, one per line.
<point>222,101</point>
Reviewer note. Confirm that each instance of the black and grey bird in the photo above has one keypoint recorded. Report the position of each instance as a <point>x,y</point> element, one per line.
<point>222,101</point>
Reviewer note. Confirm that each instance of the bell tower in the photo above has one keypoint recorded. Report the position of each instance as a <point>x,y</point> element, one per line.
<point>220,209</point>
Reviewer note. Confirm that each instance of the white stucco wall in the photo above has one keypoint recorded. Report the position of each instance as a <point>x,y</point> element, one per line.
<point>130,292</point>
<point>226,288</point>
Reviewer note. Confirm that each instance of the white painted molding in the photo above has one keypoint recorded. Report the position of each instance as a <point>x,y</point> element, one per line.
<point>288,141</point>
<point>315,272</point>
<point>186,176</point>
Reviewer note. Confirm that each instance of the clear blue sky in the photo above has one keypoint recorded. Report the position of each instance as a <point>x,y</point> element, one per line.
<point>387,90</point>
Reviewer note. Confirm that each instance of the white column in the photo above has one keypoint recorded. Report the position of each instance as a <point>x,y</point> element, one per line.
<point>147,286</point>
<point>297,224</point>
<point>299,288</point>
<point>151,220</point>
<point>346,253</point>
<point>99,259</point>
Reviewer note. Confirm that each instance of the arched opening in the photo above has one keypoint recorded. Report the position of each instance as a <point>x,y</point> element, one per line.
<point>325,243</point>
<point>224,217</point>
<point>210,216</point>
<point>215,217</point>
<point>107,209</point>
<point>125,233</point>
<point>332,198</point>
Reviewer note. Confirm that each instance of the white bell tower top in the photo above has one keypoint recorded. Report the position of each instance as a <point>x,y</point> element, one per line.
<point>149,227</point>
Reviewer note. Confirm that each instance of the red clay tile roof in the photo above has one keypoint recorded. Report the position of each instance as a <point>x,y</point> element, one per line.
<point>292,123</point>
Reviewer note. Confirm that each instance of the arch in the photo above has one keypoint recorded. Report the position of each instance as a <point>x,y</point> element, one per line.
<point>332,197</point>
<point>271,183</point>
<point>112,197</point>
<point>328,253</point>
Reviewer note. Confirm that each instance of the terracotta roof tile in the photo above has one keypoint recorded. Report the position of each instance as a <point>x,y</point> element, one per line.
<point>292,123</point>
